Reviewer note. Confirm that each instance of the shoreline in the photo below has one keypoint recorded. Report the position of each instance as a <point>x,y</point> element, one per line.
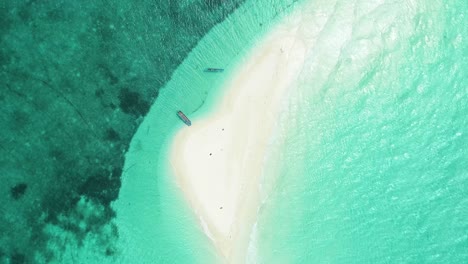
<point>218,161</point>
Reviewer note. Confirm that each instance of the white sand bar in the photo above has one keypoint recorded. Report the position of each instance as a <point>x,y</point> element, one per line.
<point>218,160</point>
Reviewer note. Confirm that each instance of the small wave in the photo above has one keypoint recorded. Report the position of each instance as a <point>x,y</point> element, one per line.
<point>252,249</point>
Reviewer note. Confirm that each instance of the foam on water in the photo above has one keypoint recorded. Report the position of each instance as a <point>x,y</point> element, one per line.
<point>373,157</point>
<point>252,249</point>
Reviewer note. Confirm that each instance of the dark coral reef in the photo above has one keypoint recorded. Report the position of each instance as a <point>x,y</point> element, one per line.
<point>76,79</point>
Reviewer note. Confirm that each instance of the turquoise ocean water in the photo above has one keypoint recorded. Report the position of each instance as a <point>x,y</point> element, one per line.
<point>369,160</point>
<point>373,150</point>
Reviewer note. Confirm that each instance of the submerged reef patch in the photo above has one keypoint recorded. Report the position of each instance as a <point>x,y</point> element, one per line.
<point>132,103</point>
<point>18,190</point>
<point>17,258</point>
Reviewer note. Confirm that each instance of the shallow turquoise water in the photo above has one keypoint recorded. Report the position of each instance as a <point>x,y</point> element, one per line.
<point>154,221</point>
<point>373,161</point>
<point>368,162</point>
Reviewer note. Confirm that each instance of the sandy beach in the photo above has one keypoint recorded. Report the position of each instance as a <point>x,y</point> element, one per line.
<point>218,161</point>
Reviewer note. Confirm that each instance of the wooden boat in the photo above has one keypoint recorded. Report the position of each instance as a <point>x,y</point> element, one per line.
<point>184,118</point>
<point>214,70</point>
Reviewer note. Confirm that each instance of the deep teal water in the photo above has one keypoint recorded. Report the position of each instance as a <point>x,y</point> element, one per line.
<point>76,80</point>
<point>374,158</point>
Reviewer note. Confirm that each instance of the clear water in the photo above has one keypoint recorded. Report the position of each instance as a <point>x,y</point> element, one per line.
<point>370,149</point>
<point>373,144</point>
<point>370,152</point>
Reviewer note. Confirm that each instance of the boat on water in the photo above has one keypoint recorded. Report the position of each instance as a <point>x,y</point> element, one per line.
<point>184,118</point>
<point>214,70</point>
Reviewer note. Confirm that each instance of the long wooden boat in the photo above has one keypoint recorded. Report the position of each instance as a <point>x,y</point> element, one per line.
<point>184,118</point>
<point>214,70</point>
